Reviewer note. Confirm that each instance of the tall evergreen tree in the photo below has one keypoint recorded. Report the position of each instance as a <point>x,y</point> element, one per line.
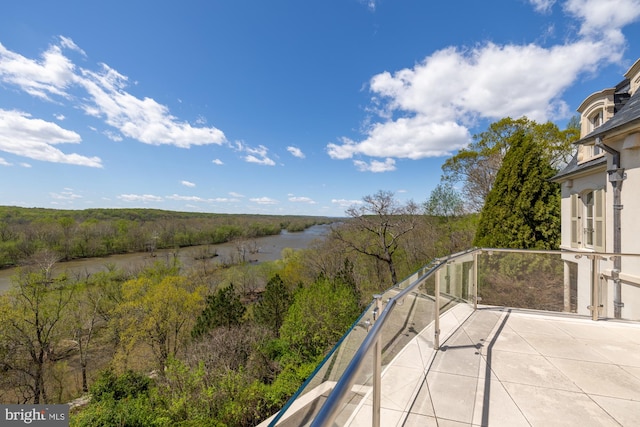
<point>223,308</point>
<point>273,306</point>
<point>522,210</point>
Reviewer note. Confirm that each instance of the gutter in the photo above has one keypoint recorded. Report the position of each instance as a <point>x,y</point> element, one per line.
<point>616,177</point>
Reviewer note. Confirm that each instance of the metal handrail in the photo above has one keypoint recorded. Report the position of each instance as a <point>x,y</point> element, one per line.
<point>330,408</point>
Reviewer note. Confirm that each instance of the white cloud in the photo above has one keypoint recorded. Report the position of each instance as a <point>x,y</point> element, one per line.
<point>217,162</point>
<point>296,152</point>
<point>140,198</point>
<point>412,138</point>
<point>257,155</point>
<point>264,201</point>
<point>25,165</point>
<point>59,117</point>
<point>3,162</point>
<point>35,139</point>
<point>542,6</point>
<point>65,195</point>
<point>302,200</point>
<point>69,44</point>
<point>187,198</point>
<point>236,195</point>
<point>375,165</point>
<point>54,75</point>
<point>344,203</point>
<point>114,136</point>
<point>606,17</point>
<point>370,4</point>
<point>428,109</point>
<point>51,76</point>
<point>142,119</point>
<point>187,184</point>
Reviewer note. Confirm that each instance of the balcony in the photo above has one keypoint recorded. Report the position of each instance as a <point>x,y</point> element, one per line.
<point>488,337</point>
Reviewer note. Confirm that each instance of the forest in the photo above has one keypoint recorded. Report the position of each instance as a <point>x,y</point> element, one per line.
<point>74,234</point>
<point>168,345</point>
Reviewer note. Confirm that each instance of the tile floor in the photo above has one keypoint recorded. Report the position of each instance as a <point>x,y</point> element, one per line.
<point>512,368</point>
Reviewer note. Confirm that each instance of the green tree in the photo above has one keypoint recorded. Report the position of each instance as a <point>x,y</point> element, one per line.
<point>319,315</point>
<point>273,306</point>
<point>477,165</point>
<point>159,312</point>
<point>523,207</point>
<point>454,226</point>
<point>223,308</point>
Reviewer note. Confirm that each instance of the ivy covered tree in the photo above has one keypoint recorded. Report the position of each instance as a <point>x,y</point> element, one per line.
<point>522,209</point>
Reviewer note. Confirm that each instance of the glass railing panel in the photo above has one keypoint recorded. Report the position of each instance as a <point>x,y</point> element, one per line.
<point>617,279</point>
<point>405,344</point>
<point>629,285</point>
<point>300,410</point>
<point>527,280</point>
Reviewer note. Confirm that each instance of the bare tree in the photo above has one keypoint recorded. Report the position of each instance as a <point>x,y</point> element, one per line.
<point>32,323</point>
<point>377,227</point>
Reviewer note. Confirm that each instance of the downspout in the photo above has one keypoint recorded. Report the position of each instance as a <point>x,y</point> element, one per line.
<point>616,176</point>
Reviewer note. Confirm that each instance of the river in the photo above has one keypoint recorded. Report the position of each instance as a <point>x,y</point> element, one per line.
<point>256,250</point>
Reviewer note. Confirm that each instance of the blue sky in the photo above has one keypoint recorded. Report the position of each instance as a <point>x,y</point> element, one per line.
<point>282,106</point>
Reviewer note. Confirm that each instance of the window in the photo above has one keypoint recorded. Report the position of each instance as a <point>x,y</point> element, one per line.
<point>587,220</point>
<point>596,120</point>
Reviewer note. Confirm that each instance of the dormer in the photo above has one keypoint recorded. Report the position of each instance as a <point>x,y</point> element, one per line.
<point>595,110</point>
<point>633,75</point>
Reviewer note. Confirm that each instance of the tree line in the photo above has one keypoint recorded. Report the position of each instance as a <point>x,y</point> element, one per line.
<point>102,232</point>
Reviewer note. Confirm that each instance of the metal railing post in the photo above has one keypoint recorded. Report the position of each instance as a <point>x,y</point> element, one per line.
<point>377,382</point>
<point>475,280</point>
<point>595,287</point>
<point>436,313</point>
<point>567,287</point>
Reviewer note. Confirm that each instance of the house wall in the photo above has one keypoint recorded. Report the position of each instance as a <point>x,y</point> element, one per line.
<point>594,181</point>
<point>626,140</point>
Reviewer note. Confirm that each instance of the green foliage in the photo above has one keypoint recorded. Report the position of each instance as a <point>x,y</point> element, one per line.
<point>160,312</point>
<point>444,201</point>
<point>134,412</point>
<point>101,232</point>
<point>477,165</point>
<point>223,308</point>
<point>108,385</point>
<point>119,400</point>
<point>523,208</point>
<point>273,306</point>
<point>319,316</point>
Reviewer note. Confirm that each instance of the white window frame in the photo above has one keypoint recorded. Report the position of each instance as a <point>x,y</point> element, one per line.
<point>587,213</point>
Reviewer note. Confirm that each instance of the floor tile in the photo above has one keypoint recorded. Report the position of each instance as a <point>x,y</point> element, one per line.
<point>602,379</point>
<point>453,396</point>
<point>494,406</point>
<point>548,408</point>
<point>528,369</point>
<point>626,412</point>
<point>563,347</point>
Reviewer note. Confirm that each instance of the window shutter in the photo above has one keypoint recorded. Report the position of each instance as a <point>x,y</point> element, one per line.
<point>599,220</point>
<point>575,221</point>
